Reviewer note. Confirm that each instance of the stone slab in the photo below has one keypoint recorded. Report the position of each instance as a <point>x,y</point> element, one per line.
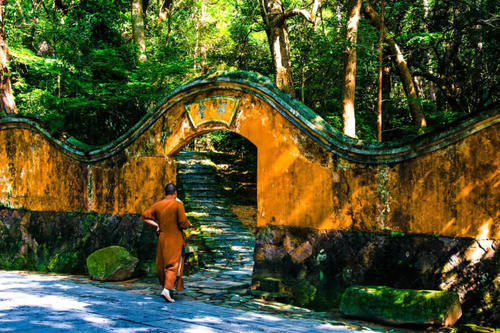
<point>402,306</point>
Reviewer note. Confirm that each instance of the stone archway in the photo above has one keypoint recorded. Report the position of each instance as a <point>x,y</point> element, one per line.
<point>320,194</point>
<point>283,162</point>
<point>342,183</point>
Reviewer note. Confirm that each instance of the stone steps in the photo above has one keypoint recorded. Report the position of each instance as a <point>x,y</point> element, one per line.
<point>199,187</point>
<point>186,180</point>
<point>203,195</point>
<point>230,243</point>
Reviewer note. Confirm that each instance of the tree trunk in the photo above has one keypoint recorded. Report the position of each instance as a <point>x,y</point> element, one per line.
<point>8,104</point>
<point>273,15</point>
<point>302,83</point>
<point>281,58</point>
<point>380,70</point>
<point>200,48</point>
<point>138,29</point>
<point>165,10</point>
<point>386,83</point>
<point>338,13</point>
<point>349,87</point>
<point>203,46</point>
<point>432,90</point>
<point>165,13</point>
<point>404,71</point>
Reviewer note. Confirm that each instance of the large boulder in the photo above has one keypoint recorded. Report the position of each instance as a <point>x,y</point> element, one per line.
<point>112,263</point>
<point>402,306</point>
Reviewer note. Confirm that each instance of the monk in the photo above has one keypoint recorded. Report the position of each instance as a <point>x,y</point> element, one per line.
<point>169,218</point>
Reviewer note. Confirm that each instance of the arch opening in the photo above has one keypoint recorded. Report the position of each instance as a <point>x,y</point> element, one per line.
<point>217,181</point>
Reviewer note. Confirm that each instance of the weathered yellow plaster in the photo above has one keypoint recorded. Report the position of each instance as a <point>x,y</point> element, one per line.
<point>453,191</point>
<point>35,175</point>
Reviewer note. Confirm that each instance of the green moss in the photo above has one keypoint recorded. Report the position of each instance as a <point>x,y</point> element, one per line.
<point>64,262</point>
<point>304,293</point>
<point>398,305</point>
<point>107,263</point>
<point>271,284</point>
<point>86,225</point>
<point>472,328</point>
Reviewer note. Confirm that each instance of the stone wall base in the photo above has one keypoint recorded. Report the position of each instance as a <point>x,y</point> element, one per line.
<point>60,242</point>
<point>312,268</point>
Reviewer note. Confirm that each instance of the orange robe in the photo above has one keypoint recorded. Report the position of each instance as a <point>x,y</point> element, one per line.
<point>171,217</point>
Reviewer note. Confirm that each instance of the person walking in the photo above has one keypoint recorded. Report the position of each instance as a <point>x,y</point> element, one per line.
<point>169,218</point>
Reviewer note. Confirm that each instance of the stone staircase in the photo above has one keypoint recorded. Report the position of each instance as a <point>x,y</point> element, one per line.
<point>228,257</point>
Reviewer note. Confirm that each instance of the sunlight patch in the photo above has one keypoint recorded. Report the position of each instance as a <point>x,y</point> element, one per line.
<point>13,300</point>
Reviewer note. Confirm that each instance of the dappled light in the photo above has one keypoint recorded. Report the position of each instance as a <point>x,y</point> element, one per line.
<point>418,214</point>
<point>258,120</point>
<point>47,305</point>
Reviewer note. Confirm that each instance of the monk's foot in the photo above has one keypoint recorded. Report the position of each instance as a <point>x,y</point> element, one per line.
<point>166,294</point>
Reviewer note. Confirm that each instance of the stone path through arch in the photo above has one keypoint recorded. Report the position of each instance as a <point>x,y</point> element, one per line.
<point>228,267</point>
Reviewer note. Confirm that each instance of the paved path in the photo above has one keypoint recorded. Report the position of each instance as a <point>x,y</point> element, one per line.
<point>50,303</point>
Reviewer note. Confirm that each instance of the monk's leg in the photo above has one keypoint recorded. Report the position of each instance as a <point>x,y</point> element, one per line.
<point>170,275</point>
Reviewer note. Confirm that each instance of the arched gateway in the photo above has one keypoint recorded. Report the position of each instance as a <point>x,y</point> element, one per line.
<point>309,175</point>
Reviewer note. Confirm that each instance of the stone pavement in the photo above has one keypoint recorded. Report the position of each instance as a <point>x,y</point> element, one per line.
<point>34,302</point>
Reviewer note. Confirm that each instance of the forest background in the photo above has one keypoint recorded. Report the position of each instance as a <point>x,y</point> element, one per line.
<point>93,68</point>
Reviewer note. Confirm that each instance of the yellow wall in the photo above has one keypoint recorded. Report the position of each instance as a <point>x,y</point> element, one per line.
<point>37,176</point>
<point>453,191</point>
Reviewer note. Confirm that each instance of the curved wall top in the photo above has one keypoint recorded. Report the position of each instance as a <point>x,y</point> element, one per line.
<point>446,182</point>
<point>294,111</point>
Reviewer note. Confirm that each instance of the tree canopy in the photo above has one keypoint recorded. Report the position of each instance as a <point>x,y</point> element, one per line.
<point>85,68</point>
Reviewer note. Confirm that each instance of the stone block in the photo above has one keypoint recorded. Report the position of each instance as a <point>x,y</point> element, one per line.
<point>272,296</point>
<point>301,253</point>
<point>271,284</point>
<point>112,263</point>
<point>270,253</point>
<point>401,306</point>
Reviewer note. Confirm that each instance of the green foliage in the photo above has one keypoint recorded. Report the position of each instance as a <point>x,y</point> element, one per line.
<point>74,64</point>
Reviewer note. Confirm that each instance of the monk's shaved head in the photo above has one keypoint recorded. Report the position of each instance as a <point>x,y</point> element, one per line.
<point>170,189</point>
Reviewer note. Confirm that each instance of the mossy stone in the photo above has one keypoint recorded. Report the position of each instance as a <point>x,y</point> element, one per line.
<point>401,306</point>
<point>272,296</point>
<point>304,292</point>
<point>271,284</point>
<point>112,263</point>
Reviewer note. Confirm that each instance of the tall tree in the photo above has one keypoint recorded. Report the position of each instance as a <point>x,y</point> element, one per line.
<point>404,71</point>
<point>7,102</point>
<point>348,112</point>
<point>138,28</point>
<point>380,72</point>
<point>275,17</point>
<point>200,48</point>
<point>165,13</point>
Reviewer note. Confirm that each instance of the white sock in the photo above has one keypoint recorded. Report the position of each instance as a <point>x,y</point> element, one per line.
<point>166,293</point>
